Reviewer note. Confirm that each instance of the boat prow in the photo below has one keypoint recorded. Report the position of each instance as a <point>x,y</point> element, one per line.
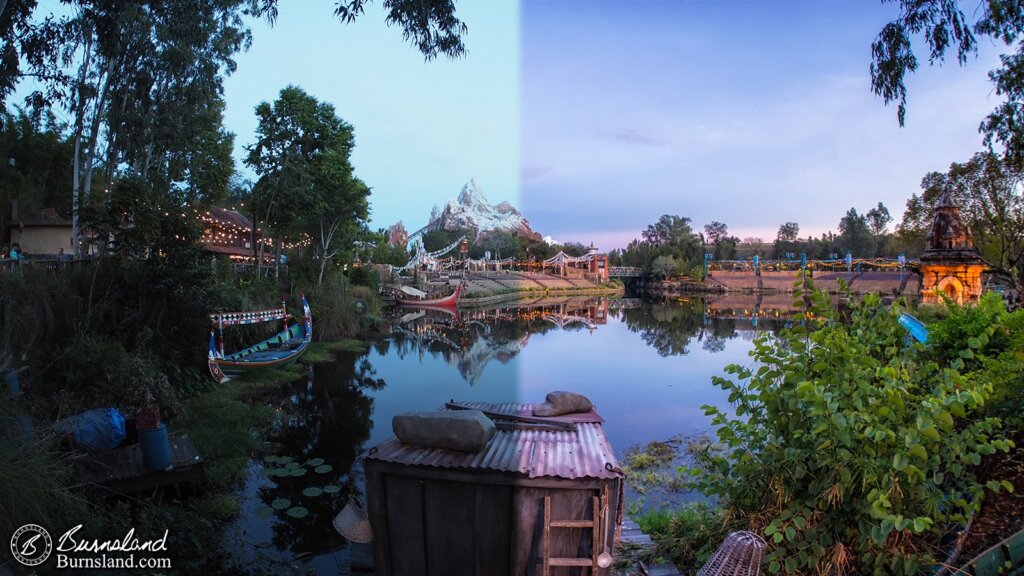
<point>450,301</point>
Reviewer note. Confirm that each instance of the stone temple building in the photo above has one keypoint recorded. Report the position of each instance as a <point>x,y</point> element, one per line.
<point>951,265</point>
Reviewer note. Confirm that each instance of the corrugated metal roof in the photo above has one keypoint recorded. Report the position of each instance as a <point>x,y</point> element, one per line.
<point>536,453</point>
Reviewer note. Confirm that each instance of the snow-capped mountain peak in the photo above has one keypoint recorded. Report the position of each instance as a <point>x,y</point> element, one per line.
<point>471,210</point>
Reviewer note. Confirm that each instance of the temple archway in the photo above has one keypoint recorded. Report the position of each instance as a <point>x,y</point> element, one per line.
<point>952,288</point>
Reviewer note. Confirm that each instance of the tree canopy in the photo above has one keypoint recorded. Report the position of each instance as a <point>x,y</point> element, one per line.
<point>945,29</point>
<point>306,181</point>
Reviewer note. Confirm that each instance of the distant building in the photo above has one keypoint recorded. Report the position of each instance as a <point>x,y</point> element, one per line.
<point>43,234</point>
<point>951,266</point>
<point>229,233</point>
<point>397,235</point>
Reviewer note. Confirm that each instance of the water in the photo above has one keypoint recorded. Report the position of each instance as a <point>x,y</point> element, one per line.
<point>646,366</point>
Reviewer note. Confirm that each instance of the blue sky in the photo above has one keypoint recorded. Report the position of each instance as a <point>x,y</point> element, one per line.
<point>749,113</point>
<point>423,129</point>
<point>596,116</point>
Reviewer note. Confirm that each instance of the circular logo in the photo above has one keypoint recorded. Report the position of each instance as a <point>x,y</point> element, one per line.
<point>31,545</point>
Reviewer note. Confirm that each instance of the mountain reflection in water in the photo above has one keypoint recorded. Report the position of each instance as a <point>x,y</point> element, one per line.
<point>647,366</point>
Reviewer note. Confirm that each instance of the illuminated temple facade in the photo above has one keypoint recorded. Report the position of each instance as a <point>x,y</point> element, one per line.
<point>951,266</point>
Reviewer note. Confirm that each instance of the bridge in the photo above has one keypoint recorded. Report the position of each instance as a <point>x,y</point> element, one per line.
<point>624,272</point>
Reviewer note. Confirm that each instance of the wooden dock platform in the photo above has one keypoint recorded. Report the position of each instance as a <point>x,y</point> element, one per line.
<point>632,535</point>
<point>122,470</point>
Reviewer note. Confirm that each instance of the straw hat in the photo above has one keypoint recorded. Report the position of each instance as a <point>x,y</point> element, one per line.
<point>352,522</point>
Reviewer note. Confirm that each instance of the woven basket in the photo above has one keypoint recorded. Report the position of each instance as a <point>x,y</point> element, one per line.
<point>740,555</point>
<point>352,522</point>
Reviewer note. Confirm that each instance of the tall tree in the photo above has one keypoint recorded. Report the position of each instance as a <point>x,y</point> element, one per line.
<point>302,157</point>
<point>878,219</point>
<point>855,236</point>
<point>788,232</point>
<point>717,235</point>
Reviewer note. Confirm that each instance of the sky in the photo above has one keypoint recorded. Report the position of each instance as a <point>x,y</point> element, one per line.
<point>595,117</point>
<point>422,129</point>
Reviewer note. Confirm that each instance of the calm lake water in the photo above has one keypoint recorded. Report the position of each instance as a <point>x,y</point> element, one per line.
<point>646,366</point>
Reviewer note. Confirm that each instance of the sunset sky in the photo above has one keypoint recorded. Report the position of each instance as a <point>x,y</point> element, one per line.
<point>596,117</point>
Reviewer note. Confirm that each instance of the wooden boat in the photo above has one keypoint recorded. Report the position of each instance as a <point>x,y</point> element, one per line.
<point>408,297</point>
<point>283,348</point>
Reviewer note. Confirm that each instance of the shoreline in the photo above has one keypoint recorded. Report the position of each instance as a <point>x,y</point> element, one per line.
<point>473,302</point>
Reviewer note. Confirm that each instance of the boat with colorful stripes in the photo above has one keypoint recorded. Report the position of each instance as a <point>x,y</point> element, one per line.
<point>283,348</point>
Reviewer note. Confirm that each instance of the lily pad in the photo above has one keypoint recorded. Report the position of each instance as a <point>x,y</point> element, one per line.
<point>284,459</point>
<point>281,472</point>
<point>281,503</point>
<point>264,512</point>
<point>271,458</point>
<point>297,512</point>
<point>292,464</point>
<point>296,472</point>
<point>323,469</point>
<point>332,489</point>
<point>315,462</point>
<point>312,492</point>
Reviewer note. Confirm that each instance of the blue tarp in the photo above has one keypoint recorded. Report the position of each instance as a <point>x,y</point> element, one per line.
<point>96,430</point>
<point>916,328</point>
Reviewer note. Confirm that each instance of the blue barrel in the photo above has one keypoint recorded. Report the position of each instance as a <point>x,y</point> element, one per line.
<point>156,448</point>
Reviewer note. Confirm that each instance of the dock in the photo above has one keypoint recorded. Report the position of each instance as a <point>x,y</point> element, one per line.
<point>122,470</point>
<point>633,536</point>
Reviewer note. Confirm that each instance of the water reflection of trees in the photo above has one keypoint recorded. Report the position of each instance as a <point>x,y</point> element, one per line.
<point>325,416</point>
<point>669,328</point>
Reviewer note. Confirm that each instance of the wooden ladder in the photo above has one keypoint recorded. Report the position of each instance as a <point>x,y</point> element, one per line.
<point>594,525</point>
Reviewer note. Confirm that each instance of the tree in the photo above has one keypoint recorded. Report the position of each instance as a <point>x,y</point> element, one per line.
<point>305,175</point>
<point>35,180</point>
<point>786,240</point>
<point>142,80</point>
<point>944,27</point>
<point>715,232</point>
<point>987,190</point>
<point>430,25</point>
<point>674,236</point>
<point>878,218</point>
<point>854,235</point>
<point>724,246</point>
<point>788,232</point>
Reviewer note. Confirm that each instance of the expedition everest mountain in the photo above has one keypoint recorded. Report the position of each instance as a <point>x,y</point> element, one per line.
<point>471,211</point>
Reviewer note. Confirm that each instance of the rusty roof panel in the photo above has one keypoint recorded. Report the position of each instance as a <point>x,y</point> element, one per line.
<point>535,453</point>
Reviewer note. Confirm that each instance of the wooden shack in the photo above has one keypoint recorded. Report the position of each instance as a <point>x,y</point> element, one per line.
<point>538,500</point>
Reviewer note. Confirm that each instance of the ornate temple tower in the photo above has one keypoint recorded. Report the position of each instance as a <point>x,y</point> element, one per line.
<point>950,265</point>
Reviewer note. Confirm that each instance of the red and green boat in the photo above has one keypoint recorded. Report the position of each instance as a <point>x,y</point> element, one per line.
<point>283,348</point>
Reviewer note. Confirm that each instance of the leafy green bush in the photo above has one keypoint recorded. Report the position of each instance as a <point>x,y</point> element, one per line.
<point>848,448</point>
<point>989,341</point>
<point>688,536</point>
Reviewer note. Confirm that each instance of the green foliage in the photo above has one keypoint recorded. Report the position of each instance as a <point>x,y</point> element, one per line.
<point>989,342</point>
<point>38,178</point>
<point>334,309</point>
<point>848,448</point>
<point>438,239</point>
<point>943,26</point>
<point>100,372</point>
<point>35,477</point>
<point>364,276</point>
<point>688,536</point>
<point>306,181</point>
<point>855,235</point>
